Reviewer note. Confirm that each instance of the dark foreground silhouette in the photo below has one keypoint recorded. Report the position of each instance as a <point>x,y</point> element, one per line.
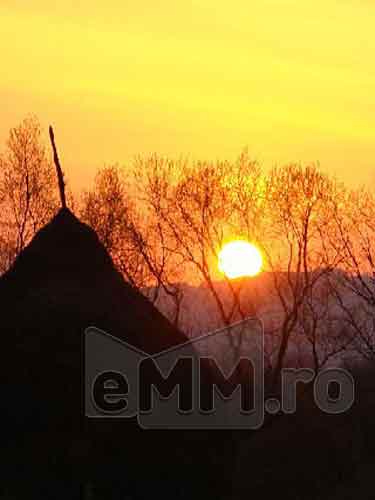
<point>64,282</point>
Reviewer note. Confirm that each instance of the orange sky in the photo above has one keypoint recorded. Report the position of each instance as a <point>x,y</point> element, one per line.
<point>293,80</point>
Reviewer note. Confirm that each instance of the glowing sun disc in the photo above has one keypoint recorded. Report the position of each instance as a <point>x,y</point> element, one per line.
<point>240,258</point>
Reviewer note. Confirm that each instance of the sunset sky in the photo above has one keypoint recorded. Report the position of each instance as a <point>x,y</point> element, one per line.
<point>292,80</point>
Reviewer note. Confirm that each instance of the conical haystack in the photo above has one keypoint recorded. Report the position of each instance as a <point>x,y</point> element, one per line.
<point>66,270</point>
<point>62,283</point>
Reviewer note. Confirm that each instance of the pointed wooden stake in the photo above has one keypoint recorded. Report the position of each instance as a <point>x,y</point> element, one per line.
<point>60,175</point>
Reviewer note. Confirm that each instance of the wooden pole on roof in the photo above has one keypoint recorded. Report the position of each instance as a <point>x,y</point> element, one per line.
<point>60,175</point>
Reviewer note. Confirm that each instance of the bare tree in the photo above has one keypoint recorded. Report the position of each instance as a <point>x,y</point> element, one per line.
<point>167,223</point>
<point>27,187</point>
<point>192,205</point>
<point>106,208</point>
<point>136,244</point>
<point>300,205</point>
<point>321,323</point>
<point>356,295</point>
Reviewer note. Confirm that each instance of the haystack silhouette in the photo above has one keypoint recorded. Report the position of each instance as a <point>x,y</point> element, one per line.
<point>66,269</point>
<point>61,284</point>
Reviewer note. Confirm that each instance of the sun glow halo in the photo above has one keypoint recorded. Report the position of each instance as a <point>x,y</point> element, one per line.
<point>240,258</point>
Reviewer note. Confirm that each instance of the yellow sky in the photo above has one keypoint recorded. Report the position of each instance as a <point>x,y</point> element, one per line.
<point>292,80</point>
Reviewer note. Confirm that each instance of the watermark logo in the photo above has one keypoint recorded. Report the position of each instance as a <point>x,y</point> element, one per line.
<point>215,381</point>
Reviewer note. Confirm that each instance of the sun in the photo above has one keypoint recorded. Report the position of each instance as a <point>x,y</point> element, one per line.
<point>240,258</point>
